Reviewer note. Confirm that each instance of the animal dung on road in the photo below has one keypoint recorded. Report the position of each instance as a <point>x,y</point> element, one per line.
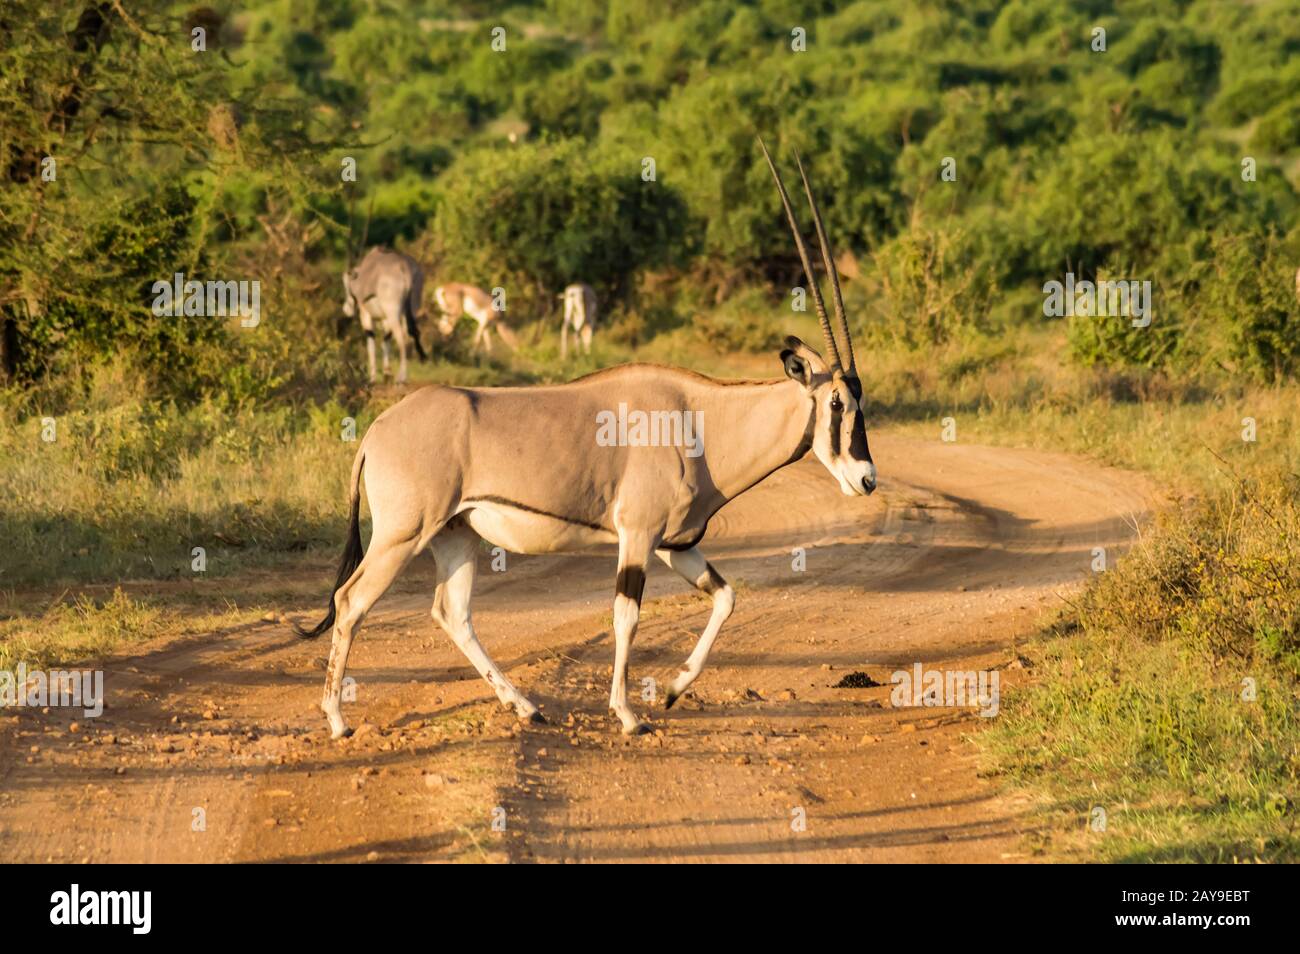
<point>856,680</point>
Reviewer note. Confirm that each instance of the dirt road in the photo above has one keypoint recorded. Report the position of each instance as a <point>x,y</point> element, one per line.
<point>212,748</point>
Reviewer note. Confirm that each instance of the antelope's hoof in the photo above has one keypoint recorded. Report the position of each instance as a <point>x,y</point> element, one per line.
<point>670,699</point>
<point>536,718</point>
<point>641,728</point>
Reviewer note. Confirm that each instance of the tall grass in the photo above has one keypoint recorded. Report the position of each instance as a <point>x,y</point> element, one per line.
<point>1168,695</point>
<point>123,488</point>
<point>1016,388</point>
<point>67,630</point>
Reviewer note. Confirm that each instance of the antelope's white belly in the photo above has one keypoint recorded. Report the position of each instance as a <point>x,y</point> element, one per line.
<point>524,531</point>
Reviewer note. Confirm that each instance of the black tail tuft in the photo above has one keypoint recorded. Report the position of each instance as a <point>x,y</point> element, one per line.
<point>414,331</point>
<point>352,554</point>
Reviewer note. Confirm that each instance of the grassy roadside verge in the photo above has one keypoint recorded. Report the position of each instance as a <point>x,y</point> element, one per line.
<point>1162,723</point>
<point>69,630</point>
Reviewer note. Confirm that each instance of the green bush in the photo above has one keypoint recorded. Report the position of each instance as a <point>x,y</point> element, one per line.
<point>536,216</point>
<point>928,294</point>
<point>1279,130</point>
<point>745,322</point>
<point>1247,310</point>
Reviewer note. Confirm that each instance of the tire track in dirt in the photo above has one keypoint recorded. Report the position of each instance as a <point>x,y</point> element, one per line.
<point>949,564</point>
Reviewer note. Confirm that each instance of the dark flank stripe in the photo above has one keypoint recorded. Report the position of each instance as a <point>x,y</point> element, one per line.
<point>690,544</point>
<point>631,583</point>
<point>502,501</point>
<point>805,444</point>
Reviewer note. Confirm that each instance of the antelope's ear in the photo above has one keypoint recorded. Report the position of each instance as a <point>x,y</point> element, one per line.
<point>802,363</point>
<point>797,367</point>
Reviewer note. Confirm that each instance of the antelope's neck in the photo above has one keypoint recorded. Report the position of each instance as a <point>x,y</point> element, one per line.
<point>763,427</point>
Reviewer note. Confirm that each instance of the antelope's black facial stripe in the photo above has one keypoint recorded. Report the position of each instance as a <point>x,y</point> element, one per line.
<point>837,420</point>
<point>858,449</point>
<point>855,388</point>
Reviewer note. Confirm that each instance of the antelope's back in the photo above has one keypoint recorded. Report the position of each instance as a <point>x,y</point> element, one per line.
<point>566,449</point>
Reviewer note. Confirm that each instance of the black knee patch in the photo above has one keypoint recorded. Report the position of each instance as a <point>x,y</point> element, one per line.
<point>631,583</point>
<point>712,581</point>
<point>370,332</point>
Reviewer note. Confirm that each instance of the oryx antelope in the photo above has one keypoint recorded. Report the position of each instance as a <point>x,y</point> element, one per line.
<point>457,300</point>
<point>579,315</point>
<point>388,286</point>
<point>526,470</point>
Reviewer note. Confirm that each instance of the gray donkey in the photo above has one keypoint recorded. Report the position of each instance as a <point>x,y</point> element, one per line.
<point>389,286</point>
<point>579,315</point>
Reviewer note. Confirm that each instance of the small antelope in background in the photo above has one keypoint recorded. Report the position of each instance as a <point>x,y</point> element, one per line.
<point>458,300</point>
<point>580,315</point>
<point>388,286</point>
<point>561,468</point>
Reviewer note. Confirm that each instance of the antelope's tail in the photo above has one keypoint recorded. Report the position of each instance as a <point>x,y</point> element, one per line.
<point>352,551</point>
<point>412,328</point>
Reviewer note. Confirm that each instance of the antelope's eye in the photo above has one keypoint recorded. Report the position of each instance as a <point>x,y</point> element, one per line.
<point>836,404</point>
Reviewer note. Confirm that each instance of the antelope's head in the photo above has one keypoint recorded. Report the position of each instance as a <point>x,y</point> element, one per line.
<point>839,436</point>
<point>349,296</point>
<point>446,325</point>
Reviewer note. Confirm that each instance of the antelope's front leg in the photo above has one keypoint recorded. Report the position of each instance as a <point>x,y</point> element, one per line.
<point>402,348</point>
<point>629,587</point>
<point>370,352</point>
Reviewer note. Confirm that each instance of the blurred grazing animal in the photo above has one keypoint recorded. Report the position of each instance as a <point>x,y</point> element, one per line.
<point>389,286</point>
<point>457,300</point>
<point>580,315</point>
<point>544,470</point>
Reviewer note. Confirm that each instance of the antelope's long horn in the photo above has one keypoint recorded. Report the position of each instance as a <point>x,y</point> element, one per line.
<point>834,352</point>
<point>829,260</point>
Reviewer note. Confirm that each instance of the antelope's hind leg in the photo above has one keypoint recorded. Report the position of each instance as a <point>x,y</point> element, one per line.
<point>696,570</point>
<point>382,563</point>
<point>455,551</point>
